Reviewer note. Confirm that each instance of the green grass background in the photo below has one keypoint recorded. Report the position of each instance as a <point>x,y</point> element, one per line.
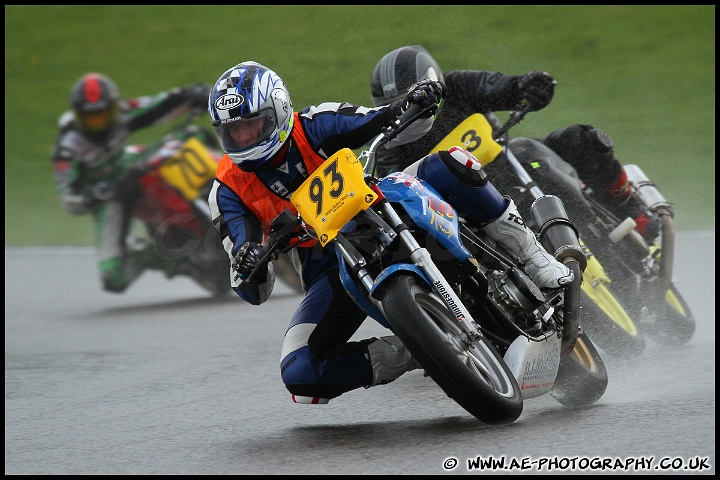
<point>644,74</point>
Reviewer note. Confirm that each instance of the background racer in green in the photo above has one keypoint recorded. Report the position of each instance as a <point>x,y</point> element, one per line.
<point>90,160</point>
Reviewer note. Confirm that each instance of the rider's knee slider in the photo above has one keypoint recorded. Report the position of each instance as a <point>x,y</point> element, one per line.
<point>464,166</point>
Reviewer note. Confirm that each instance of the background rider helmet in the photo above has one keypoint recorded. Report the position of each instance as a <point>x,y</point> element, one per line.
<point>95,103</point>
<point>251,113</point>
<point>398,70</point>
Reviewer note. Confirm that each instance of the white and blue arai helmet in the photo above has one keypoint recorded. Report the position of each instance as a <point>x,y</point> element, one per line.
<point>251,113</point>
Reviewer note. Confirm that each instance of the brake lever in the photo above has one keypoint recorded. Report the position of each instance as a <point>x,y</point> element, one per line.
<point>516,116</point>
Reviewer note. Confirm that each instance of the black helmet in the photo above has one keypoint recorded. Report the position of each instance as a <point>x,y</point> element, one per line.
<point>95,102</point>
<point>398,70</point>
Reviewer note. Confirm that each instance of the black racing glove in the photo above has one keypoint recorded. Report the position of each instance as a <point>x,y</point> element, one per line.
<point>425,93</point>
<point>197,96</point>
<point>537,89</point>
<point>248,256</point>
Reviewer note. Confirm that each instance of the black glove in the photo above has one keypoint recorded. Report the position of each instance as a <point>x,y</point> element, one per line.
<point>537,88</point>
<point>197,95</point>
<point>425,93</point>
<point>248,256</point>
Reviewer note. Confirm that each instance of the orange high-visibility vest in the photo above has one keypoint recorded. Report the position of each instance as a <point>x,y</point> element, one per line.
<point>262,201</point>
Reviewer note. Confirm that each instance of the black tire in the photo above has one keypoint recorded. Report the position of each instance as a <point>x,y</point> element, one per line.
<point>211,271</point>
<point>472,374</point>
<point>607,334</point>
<point>673,323</point>
<point>209,264</point>
<point>582,377</point>
<point>217,282</point>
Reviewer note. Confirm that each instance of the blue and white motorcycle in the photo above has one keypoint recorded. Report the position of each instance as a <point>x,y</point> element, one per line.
<point>478,326</point>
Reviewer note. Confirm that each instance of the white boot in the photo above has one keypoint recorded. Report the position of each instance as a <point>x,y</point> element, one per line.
<point>389,359</point>
<point>509,230</point>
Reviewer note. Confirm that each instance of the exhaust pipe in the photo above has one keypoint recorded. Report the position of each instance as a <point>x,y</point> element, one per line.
<point>559,237</point>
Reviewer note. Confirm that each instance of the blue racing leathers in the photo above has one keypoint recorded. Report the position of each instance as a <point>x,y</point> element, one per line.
<point>318,362</point>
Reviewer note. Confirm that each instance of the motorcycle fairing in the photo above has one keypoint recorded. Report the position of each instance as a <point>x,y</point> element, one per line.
<point>162,206</point>
<point>534,364</point>
<point>427,209</point>
<point>475,135</point>
<point>190,169</point>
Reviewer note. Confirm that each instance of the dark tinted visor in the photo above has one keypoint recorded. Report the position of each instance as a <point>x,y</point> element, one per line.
<point>97,121</point>
<point>243,133</point>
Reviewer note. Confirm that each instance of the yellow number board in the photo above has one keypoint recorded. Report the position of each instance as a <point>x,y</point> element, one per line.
<point>189,169</point>
<point>474,134</point>
<point>333,194</point>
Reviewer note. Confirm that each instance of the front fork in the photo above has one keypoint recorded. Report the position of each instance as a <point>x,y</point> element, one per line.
<point>421,259</point>
<point>595,285</point>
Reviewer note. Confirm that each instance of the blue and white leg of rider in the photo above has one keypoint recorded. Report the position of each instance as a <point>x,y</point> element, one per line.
<point>458,176</point>
<point>318,362</point>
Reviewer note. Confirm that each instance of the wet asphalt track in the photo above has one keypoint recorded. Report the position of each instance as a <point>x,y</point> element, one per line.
<point>164,380</point>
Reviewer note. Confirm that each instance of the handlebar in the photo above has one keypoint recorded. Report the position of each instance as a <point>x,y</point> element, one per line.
<point>279,236</point>
<point>516,116</point>
<point>409,116</point>
<point>282,227</point>
<point>501,137</point>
